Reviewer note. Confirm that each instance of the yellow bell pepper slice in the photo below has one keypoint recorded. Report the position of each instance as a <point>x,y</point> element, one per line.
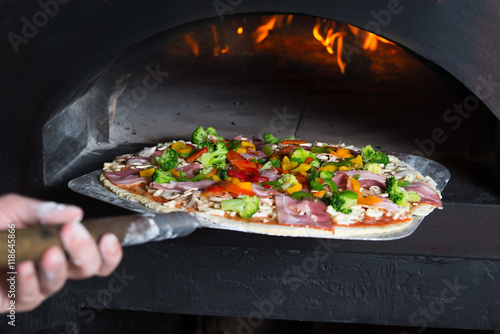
<point>216,178</point>
<point>329,168</point>
<point>247,144</point>
<point>301,167</point>
<point>344,168</point>
<point>241,150</point>
<point>175,173</point>
<point>242,185</point>
<point>286,164</point>
<point>295,188</point>
<point>344,153</point>
<point>185,150</point>
<point>369,200</point>
<point>355,184</point>
<point>320,193</point>
<point>358,161</point>
<point>147,172</point>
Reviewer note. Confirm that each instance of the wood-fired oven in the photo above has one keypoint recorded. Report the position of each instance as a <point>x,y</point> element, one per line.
<point>85,81</point>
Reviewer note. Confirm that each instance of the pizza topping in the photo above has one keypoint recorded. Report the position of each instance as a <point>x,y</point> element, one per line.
<point>183,186</point>
<point>245,207</point>
<point>398,195</point>
<point>307,212</point>
<point>126,177</point>
<point>216,158</point>
<point>291,181</point>
<point>427,194</point>
<point>366,178</point>
<point>168,160</point>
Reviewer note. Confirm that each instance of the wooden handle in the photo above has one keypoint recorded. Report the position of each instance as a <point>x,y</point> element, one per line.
<point>30,243</point>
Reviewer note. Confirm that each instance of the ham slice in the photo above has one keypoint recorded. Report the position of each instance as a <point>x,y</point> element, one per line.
<point>426,192</point>
<point>261,191</point>
<point>183,186</point>
<point>366,178</point>
<point>190,169</point>
<point>260,155</point>
<point>126,177</point>
<point>342,181</point>
<point>388,205</point>
<point>271,173</point>
<point>304,213</point>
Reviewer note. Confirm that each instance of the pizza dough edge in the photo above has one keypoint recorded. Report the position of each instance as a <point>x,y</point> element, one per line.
<point>211,221</point>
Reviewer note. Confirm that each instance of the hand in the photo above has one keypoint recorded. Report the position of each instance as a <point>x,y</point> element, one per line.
<point>35,282</point>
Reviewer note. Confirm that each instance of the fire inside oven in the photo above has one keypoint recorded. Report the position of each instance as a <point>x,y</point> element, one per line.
<point>291,75</point>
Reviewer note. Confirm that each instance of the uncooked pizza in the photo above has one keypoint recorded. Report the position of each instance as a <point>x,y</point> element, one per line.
<point>276,186</point>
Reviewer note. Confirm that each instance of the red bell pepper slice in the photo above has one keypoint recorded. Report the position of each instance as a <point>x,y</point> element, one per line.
<point>238,173</point>
<point>215,190</point>
<point>233,188</point>
<point>293,142</point>
<point>258,179</point>
<point>244,164</point>
<point>232,156</point>
<point>196,155</point>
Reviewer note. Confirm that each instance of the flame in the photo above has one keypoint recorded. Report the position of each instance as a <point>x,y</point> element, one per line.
<point>329,41</point>
<point>325,31</point>
<point>195,48</point>
<point>217,48</point>
<point>263,30</point>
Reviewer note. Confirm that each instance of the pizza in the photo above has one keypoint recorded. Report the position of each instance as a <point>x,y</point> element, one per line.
<point>276,186</point>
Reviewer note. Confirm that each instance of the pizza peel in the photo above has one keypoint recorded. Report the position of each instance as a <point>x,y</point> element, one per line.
<point>149,225</point>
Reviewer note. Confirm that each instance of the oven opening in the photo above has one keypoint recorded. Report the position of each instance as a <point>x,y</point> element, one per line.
<point>309,77</point>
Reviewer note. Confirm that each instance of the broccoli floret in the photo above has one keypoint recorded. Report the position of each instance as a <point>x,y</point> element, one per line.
<point>343,200</point>
<point>374,168</point>
<point>300,155</point>
<point>168,160</point>
<point>211,131</point>
<point>160,176</point>
<point>270,139</point>
<point>288,181</point>
<point>369,155</point>
<point>208,144</point>
<point>245,207</point>
<point>324,174</point>
<point>397,195</point>
<point>200,135</point>
<point>222,174</point>
<point>233,145</point>
<point>217,157</point>
<point>267,165</point>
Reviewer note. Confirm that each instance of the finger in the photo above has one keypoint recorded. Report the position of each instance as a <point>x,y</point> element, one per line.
<point>84,256</point>
<point>52,271</point>
<point>28,211</point>
<point>28,295</point>
<point>111,253</point>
